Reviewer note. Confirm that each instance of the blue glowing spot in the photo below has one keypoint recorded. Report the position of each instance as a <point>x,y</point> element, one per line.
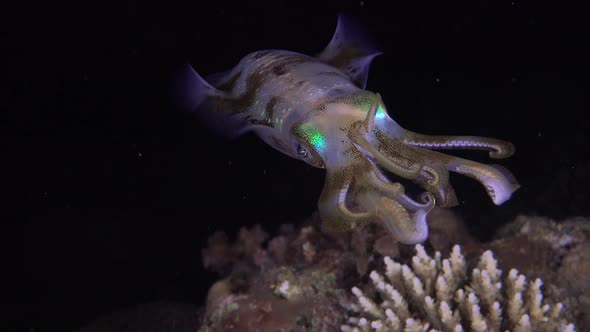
<point>380,113</point>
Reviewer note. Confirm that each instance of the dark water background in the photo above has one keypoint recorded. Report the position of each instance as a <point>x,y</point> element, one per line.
<point>111,193</point>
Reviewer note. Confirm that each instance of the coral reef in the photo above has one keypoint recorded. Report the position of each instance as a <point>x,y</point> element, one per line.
<point>437,295</point>
<point>282,300</point>
<point>300,279</point>
<point>288,284</point>
<point>558,252</point>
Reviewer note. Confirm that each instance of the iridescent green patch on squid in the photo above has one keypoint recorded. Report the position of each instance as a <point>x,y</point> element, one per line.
<point>313,136</point>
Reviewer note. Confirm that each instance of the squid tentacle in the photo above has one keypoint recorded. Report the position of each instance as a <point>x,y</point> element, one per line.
<point>407,228</point>
<point>409,169</point>
<point>396,191</point>
<point>379,199</point>
<point>428,199</point>
<point>384,185</point>
<point>498,149</point>
<point>431,175</point>
<point>332,203</point>
<point>435,179</point>
<point>404,217</point>
<point>499,183</point>
<point>344,210</point>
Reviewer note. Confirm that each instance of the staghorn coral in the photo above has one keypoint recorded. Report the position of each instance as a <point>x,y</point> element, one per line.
<point>437,295</point>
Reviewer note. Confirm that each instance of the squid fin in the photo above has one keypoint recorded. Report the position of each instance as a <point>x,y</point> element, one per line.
<point>191,90</point>
<point>216,79</point>
<point>350,50</point>
<point>195,95</point>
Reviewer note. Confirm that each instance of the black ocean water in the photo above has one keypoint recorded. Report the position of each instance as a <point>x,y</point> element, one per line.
<point>110,192</point>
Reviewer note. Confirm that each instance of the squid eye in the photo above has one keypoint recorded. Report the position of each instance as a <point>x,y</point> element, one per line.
<point>301,151</point>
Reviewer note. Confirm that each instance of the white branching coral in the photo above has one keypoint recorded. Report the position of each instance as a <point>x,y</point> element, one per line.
<point>438,295</point>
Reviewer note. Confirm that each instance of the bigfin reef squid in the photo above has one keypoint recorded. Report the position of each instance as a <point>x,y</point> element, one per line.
<point>316,109</point>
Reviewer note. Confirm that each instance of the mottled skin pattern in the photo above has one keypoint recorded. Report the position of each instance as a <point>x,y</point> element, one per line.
<point>316,109</point>
<point>269,90</point>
